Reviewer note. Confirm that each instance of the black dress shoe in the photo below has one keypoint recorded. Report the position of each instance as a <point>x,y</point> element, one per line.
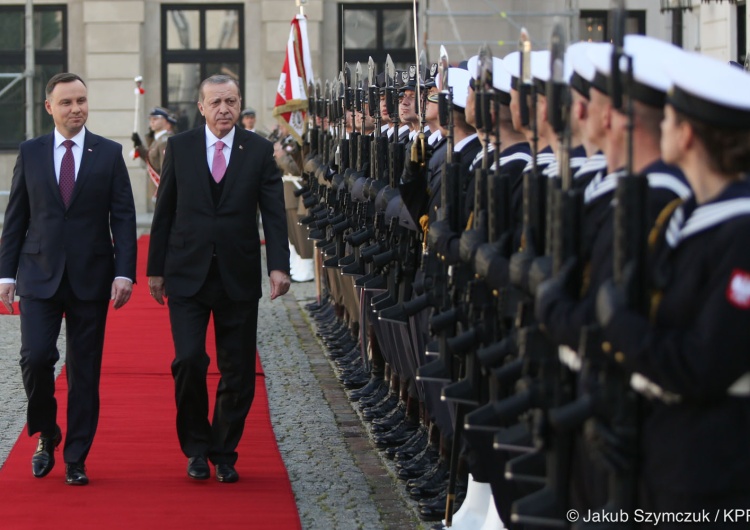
<point>390,420</point>
<point>198,468</point>
<point>372,386</point>
<point>44,457</point>
<point>75,475</point>
<point>396,436</point>
<point>410,449</point>
<point>226,473</point>
<point>438,473</point>
<point>434,509</point>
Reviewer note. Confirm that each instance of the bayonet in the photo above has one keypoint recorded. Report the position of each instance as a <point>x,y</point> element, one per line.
<point>343,86</point>
<point>310,99</point>
<point>618,78</point>
<point>526,92</point>
<point>524,46</point>
<point>558,103</point>
<point>423,65</point>
<point>524,76</point>
<point>326,114</point>
<point>484,92</point>
<point>443,68</point>
<point>619,16</point>
<point>358,86</point>
<point>417,59</point>
<point>318,99</point>
<point>446,102</point>
<point>391,97</point>
<point>373,95</point>
<point>347,92</point>
<point>421,77</point>
<point>390,71</point>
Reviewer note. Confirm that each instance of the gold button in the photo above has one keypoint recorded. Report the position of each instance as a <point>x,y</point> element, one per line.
<point>620,357</point>
<point>495,293</point>
<point>606,347</point>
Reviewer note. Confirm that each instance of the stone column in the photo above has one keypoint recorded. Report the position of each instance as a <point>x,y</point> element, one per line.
<point>113,56</point>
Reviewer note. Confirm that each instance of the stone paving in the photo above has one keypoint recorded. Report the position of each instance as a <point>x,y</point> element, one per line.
<point>340,481</point>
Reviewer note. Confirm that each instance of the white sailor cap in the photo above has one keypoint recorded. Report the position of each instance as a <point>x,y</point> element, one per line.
<point>582,69</point>
<point>710,91</point>
<point>459,79</point>
<point>650,81</point>
<point>540,70</point>
<point>512,64</point>
<point>501,78</point>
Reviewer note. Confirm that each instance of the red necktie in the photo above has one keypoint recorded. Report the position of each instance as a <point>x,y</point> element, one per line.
<point>219,165</point>
<point>67,173</point>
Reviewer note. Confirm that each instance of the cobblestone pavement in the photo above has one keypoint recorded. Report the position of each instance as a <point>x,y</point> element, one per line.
<point>339,479</point>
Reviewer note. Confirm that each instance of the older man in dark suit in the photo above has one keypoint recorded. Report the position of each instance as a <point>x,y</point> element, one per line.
<point>205,256</point>
<point>68,246</point>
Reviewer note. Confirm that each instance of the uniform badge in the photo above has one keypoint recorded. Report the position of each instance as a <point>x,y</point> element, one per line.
<point>738,290</point>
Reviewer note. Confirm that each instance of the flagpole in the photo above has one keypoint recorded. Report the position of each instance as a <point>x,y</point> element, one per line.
<point>301,5</point>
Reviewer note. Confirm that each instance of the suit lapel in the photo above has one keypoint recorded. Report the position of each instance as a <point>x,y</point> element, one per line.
<point>48,166</point>
<point>240,149</point>
<point>90,152</point>
<point>201,161</point>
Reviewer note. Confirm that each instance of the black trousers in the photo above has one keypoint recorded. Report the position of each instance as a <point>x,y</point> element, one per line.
<point>41,320</point>
<point>235,324</point>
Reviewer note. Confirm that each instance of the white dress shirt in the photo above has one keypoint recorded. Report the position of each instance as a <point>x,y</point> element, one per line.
<point>77,151</point>
<point>211,140</point>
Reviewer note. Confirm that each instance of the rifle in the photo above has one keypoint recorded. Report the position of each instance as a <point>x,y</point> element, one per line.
<point>546,507</point>
<point>442,324</point>
<point>610,404</point>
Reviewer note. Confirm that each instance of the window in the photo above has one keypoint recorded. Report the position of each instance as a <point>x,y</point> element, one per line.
<point>376,30</point>
<point>595,26</point>
<point>198,41</point>
<point>50,58</point>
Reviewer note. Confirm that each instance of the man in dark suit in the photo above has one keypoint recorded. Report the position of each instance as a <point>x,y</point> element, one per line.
<point>68,246</point>
<point>205,256</point>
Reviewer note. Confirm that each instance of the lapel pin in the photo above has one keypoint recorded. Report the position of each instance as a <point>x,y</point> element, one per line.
<point>241,147</point>
<point>90,150</point>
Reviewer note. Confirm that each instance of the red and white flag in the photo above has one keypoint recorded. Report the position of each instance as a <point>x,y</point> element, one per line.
<point>290,108</point>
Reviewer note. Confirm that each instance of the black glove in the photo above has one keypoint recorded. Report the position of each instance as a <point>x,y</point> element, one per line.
<point>418,156</point>
<point>540,271</point>
<point>552,290</point>
<point>520,265</point>
<point>492,265</point>
<point>609,300</point>
<point>136,140</point>
<point>412,171</point>
<point>439,238</point>
<point>472,239</point>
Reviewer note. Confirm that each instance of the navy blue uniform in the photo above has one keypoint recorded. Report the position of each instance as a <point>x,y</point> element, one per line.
<point>695,437</point>
<point>564,317</point>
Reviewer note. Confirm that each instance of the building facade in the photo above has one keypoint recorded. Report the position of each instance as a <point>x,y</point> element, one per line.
<point>173,45</point>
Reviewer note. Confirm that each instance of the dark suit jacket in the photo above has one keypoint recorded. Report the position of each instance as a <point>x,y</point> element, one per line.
<point>188,227</point>
<point>94,239</point>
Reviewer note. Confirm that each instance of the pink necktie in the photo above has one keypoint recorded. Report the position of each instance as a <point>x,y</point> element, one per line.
<point>67,173</point>
<point>219,165</point>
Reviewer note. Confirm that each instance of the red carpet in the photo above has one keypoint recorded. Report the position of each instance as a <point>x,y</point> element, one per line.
<point>137,471</point>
